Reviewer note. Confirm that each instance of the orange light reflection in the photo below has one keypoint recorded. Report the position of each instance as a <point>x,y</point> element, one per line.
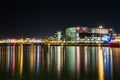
<point>100,64</point>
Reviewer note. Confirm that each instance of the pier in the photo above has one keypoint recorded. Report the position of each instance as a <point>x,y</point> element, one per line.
<point>49,42</point>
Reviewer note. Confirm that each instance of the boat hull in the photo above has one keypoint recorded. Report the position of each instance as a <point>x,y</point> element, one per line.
<point>114,44</point>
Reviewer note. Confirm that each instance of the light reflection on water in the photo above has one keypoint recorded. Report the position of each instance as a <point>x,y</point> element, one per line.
<point>100,64</point>
<point>36,62</point>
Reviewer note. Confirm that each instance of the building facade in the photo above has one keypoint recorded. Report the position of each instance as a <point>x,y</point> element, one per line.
<point>87,35</point>
<point>71,34</point>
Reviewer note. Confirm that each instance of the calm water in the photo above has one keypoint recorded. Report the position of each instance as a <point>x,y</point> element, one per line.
<point>33,62</point>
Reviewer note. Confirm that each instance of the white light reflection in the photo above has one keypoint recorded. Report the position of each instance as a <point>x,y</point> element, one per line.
<point>64,55</point>
<point>58,58</point>
<point>38,59</point>
<point>71,58</point>
<point>51,55</point>
<point>111,63</point>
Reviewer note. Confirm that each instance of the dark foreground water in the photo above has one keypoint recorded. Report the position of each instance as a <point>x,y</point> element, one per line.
<point>33,62</point>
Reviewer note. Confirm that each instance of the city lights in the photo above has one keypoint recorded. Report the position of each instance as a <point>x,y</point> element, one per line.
<point>72,36</point>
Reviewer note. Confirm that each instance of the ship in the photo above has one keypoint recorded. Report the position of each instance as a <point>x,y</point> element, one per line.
<point>115,42</point>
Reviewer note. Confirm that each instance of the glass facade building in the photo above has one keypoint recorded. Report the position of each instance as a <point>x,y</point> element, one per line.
<point>87,35</point>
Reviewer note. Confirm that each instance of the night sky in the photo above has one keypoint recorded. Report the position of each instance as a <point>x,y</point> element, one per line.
<point>41,19</point>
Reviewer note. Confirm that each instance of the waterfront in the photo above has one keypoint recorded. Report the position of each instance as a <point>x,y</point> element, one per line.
<point>35,62</point>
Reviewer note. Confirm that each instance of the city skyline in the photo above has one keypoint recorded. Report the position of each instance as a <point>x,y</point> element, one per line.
<point>41,19</point>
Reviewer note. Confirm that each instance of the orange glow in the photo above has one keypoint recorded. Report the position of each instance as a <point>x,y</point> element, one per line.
<point>32,58</point>
<point>100,27</point>
<point>21,60</point>
<point>48,58</point>
<point>78,61</point>
<point>100,64</point>
<point>86,58</point>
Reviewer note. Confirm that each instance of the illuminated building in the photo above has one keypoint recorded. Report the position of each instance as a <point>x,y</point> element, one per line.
<point>58,35</point>
<point>89,35</point>
<point>72,34</point>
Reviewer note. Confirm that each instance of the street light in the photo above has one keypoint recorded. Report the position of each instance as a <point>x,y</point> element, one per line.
<point>100,28</point>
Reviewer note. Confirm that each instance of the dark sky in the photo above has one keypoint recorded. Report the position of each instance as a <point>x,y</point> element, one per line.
<point>40,19</point>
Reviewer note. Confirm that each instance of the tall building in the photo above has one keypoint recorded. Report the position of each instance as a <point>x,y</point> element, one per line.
<point>58,35</point>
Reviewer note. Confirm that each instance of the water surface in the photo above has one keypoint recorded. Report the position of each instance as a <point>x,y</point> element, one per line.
<point>35,62</point>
